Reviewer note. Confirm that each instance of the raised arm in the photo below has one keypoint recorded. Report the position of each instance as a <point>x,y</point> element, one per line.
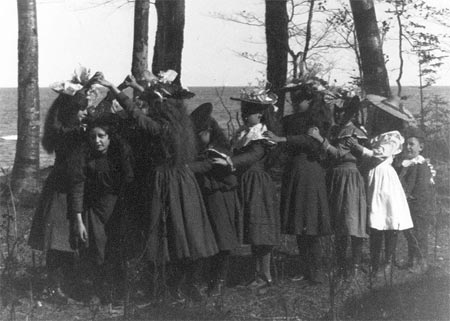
<point>145,122</point>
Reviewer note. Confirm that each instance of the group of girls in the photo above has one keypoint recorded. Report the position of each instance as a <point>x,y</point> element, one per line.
<point>203,196</point>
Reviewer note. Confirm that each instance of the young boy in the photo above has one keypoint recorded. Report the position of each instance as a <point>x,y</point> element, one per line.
<point>415,177</point>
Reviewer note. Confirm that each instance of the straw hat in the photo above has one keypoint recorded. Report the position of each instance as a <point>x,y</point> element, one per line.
<point>392,105</point>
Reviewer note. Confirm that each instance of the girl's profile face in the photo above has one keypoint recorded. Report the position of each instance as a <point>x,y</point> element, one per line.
<point>253,119</point>
<point>301,106</point>
<point>82,114</point>
<point>205,136</point>
<point>413,147</point>
<point>99,139</point>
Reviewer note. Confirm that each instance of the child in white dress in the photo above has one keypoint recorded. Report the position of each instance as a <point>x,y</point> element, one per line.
<point>388,209</point>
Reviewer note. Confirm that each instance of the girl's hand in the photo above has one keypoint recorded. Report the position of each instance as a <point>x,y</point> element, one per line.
<point>271,136</point>
<point>351,142</point>
<point>80,229</point>
<point>130,81</point>
<point>99,78</point>
<point>315,133</point>
<point>219,161</point>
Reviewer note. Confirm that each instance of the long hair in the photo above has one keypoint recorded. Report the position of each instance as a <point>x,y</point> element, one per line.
<point>177,140</point>
<point>62,113</point>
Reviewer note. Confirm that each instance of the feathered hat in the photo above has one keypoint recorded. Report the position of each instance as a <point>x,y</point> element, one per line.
<point>163,87</point>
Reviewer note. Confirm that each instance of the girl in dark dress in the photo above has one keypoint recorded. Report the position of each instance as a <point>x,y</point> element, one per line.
<point>99,174</point>
<point>304,202</point>
<point>50,229</point>
<point>219,189</point>
<point>179,230</point>
<point>261,227</point>
<point>346,191</point>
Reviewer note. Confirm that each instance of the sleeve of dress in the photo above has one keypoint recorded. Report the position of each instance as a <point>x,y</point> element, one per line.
<point>76,181</point>
<point>200,167</point>
<point>336,152</point>
<point>145,122</point>
<point>382,150</point>
<point>300,141</point>
<point>255,152</point>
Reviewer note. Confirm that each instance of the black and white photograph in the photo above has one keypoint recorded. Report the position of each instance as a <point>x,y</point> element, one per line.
<point>224,160</point>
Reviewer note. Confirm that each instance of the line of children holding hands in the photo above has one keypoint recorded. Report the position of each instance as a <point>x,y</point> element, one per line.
<point>198,206</point>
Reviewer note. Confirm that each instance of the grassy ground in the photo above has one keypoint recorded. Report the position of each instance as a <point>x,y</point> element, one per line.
<point>409,297</point>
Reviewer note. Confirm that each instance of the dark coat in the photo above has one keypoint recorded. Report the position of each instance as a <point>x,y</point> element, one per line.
<point>261,225</point>
<point>304,203</point>
<point>51,228</point>
<point>415,180</point>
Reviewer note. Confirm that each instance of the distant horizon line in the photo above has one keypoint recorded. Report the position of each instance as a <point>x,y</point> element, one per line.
<point>237,86</point>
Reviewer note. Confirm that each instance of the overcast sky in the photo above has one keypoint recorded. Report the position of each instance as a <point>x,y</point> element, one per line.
<point>73,32</point>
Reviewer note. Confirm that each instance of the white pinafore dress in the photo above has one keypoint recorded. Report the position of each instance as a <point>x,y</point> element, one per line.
<point>388,207</point>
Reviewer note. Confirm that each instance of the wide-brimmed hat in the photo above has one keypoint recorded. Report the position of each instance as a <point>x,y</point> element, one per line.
<point>413,131</point>
<point>392,105</point>
<point>256,100</point>
<point>201,117</point>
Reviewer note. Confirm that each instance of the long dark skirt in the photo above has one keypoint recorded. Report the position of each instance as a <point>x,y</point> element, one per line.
<point>261,220</point>
<point>97,218</point>
<point>347,201</point>
<point>224,214</point>
<point>51,229</point>
<point>304,202</point>
<point>179,226</point>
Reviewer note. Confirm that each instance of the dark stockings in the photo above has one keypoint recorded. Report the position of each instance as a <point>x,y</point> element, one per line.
<point>390,244</point>
<point>262,255</point>
<point>60,267</point>
<point>219,266</point>
<point>310,251</point>
<point>341,249</point>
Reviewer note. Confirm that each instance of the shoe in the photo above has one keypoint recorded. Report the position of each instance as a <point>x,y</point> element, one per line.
<point>216,288</point>
<point>176,296</point>
<point>317,278</point>
<point>298,278</point>
<point>193,291</point>
<point>56,295</point>
<point>257,282</point>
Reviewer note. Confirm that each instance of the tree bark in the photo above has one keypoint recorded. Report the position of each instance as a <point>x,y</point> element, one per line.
<point>139,62</point>
<point>375,76</point>
<point>169,36</point>
<point>277,39</point>
<point>25,172</point>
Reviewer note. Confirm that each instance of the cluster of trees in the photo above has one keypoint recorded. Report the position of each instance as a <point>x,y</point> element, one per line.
<point>298,32</point>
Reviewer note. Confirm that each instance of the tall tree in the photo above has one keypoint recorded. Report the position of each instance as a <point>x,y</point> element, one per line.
<point>26,163</point>
<point>139,63</point>
<point>375,77</point>
<point>169,40</point>
<point>277,39</point>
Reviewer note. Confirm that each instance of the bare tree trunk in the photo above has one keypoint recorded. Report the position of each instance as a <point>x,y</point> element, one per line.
<point>169,36</point>
<point>398,13</point>
<point>375,77</point>
<point>26,163</point>
<point>307,37</point>
<point>277,39</point>
<point>140,39</point>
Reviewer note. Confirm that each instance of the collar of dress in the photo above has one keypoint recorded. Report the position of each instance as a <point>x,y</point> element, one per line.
<point>416,160</point>
<point>246,135</point>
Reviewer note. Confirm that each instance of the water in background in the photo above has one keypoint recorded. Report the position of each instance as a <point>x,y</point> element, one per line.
<point>216,95</point>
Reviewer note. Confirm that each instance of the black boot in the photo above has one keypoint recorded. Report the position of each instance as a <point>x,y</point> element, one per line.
<point>55,292</point>
<point>216,288</point>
